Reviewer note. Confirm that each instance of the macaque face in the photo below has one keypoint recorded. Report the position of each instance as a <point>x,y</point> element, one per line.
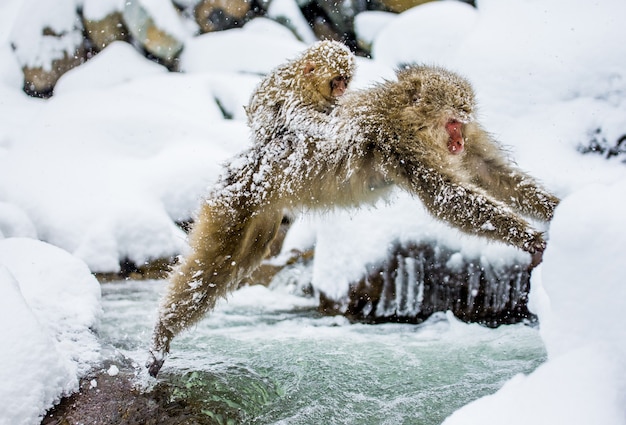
<point>454,128</point>
<point>338,86</point>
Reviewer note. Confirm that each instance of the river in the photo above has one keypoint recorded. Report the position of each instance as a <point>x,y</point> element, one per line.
<point>268,357</point>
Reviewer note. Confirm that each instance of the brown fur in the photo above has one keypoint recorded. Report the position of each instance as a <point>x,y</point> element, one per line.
<point>236,226</point>
<point>390,134</point>
<point>302,84</point>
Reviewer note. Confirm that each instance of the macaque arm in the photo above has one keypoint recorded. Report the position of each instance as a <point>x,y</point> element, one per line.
<point>515,188</point>
<point>465,207</point>
<point>491,171</point>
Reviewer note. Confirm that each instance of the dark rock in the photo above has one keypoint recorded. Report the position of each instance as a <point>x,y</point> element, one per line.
<point>399,6</point>
<point>417,281</point>
<point>188,398</point>
<point>129,270</point>
<point>216,15</point>
<point>39,81</point>
<point>103,32</point>
<point>157,42</point>
<point>598,143</point>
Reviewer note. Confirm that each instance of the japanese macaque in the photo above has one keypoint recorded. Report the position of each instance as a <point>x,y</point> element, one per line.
<point>418,133</point>
<point>297,96</point>
<point>301,92</point>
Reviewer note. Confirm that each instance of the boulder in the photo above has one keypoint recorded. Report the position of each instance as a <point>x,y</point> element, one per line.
<point>419,280</point>
<point>216,15</point>
<point>162,38</point>
<point>39,80</point>
<point>399,6</point>
<point>102,32</point>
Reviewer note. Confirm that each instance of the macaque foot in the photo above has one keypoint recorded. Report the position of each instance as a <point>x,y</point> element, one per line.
<point>159,350</point>
<point>154,363</point>
<point>535,259</point>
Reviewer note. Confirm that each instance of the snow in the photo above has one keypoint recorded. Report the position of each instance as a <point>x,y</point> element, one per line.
<point>117,64</point>
<point>32,47</point>
<point>51,301</point>
<point>102,170</point>
<point>368,24</point>
<point>164,15</point>
<point>289,11</point>
<point>96,10</point>
<point>255,48</point>
<point>344,250</point>
<point>578,293</point>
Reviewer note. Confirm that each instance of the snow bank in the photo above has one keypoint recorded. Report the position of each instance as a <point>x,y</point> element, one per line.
<point>113,165</point>
<point>96,10</point>
<point>49,303</point>
<point>289,11</point>
<point>32,47</point>
<point>580,296</point>
<point>119,62</point>
<point>258,47</point>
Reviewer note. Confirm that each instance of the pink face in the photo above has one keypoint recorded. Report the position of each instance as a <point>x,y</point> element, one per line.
<point>455,141</point>
<point>338,86</point>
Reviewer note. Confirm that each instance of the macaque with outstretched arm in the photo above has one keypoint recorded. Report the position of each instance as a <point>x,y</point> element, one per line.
<point>418,133</point>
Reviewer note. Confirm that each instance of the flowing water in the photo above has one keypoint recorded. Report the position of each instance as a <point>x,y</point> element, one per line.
<point>267,357</point>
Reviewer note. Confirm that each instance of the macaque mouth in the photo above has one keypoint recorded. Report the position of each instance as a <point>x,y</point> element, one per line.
<point>455,136</point>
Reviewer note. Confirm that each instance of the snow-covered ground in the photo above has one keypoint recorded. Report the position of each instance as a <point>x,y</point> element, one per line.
<point>102,170</point>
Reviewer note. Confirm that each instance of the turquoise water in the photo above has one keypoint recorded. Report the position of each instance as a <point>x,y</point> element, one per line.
<point>267,357</point>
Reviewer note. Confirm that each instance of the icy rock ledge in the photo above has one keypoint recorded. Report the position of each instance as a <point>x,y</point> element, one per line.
<point>418,280</point>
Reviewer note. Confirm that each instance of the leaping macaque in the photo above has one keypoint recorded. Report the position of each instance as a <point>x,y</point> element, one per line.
<point>418,133</point>
<point>232,234</point>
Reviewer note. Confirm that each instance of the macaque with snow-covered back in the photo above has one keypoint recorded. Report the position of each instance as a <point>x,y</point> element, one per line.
<point>418,133</point>
<point>229,243</point>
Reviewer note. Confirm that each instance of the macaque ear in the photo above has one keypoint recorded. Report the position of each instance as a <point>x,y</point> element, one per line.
<point>309,67</point>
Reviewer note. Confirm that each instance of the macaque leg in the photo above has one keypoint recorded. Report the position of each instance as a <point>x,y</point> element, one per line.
<point>226,247</point>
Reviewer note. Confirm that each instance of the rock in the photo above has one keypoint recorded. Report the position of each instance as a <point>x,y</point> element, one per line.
<point>335,20</point>
<point>103,32</point>
<point>163,43</point>
<point>190,398</point>
<point>155,269</point>
<point>598,143</point>
<point>367,26</point>
<point>216,15</point>
<point>47,40</point>
<point>39,80</point>
<point>399,6</point>
<point>418,281</point>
